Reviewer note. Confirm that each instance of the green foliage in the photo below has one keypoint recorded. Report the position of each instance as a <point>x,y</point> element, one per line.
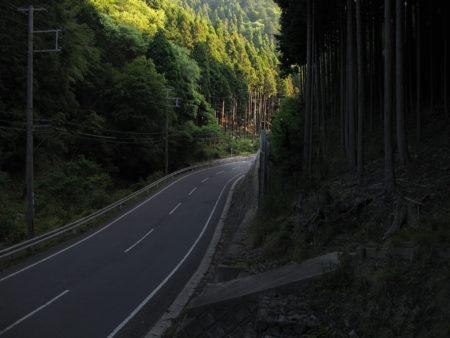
<point>134,13</point>
<point>256,20</point>
<point>287,125</point>
<point>12,210</point>
<point>100,102</point>
<point>77,187</point>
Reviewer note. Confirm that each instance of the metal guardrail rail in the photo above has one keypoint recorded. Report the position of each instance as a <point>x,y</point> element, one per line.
<point>71,226</point>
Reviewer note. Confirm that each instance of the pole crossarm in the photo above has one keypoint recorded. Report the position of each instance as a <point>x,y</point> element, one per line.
<point>34,9</point>
<point>56,49</point>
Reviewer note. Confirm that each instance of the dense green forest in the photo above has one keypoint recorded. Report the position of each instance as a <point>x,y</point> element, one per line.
<point>257,20</point>
<point>99,103</point>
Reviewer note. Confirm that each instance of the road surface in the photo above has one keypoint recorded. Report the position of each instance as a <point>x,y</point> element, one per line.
<point>118,279</point>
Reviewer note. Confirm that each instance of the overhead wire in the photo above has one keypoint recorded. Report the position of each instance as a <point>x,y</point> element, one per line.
<point>115,131</point>
<point>6,2</point>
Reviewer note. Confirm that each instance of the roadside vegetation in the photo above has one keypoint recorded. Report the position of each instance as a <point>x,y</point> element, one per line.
<point>100,103</point>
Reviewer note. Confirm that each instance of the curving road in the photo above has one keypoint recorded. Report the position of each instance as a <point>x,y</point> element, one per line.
<point>117,280</point>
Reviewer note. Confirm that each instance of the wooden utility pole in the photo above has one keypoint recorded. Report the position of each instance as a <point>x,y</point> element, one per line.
<point>166,132</point>
<point>166,138</point>
<point>29,146</point>
<point>29,159</point>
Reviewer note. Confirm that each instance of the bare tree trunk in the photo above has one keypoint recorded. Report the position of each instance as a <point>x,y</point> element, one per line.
<point>306,147</point>
<point>343,92</point>
<point>388,154</point>
<point>351,87</point>
<point>254,118</point>
<point>400,86</point>
<point>371,72</point>
<point>445,56</point>
<point>361,43</point>
<point>431,71</point>
<point>224,122</point>
<point>409,43</point>
<point>418,77</point>
<point>379,67</point>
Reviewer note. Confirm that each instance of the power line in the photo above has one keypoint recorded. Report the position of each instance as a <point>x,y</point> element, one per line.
<point>12,128</point>
<point>93,137</point>
<point>12,5</point>
<point>97,135</point>
<point>115,131</point>
<point>15,21</point>
<point>127,133</point>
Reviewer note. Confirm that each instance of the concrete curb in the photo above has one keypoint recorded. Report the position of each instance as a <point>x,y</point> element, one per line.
<point>180,302</point>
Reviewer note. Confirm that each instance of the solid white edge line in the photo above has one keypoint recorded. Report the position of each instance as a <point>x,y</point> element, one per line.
<point>220,172</point>
<point>33,312</point>
<point>150,296</point>
<point>173,210</point>
<point>205,180</point>
<point>178,304</point>
<point>192,191</point>
<point>106,226</point>
<point>139,241</point>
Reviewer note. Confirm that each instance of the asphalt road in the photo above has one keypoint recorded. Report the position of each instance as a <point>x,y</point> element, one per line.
<point>118,279</point>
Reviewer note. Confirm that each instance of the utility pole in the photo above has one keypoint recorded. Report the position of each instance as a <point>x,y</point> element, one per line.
<point>29,152</point>
<point>166,141</point>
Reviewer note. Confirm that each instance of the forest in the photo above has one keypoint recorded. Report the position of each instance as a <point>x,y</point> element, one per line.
<point>257,20</point>
<point>100,102</point>
<point>359,65</point>
<point>360,162</point>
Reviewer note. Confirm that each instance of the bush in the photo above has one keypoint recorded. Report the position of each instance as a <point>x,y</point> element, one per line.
<point>287,125</point>
<point>12,211</point>
<point>75,187</point>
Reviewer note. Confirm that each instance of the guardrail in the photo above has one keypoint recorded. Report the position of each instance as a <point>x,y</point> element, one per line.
<point>71,226</point>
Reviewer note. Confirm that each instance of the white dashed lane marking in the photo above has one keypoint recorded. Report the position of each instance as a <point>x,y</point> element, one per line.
<point>139,241</point>
<point>173,210</point>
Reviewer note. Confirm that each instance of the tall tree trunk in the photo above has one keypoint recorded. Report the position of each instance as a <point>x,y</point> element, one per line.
<point>418,75</point>
<point>371,72</point>
<point>445,56</point>
<point>351,87</point>
<point>400,86</point>
<point>343,92</point>
<point>306,146</point>
<point>431,78</point>
<point>254,118</point>
<point>379,67</point>
<point>388,154</point>
<point>361,43</point>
